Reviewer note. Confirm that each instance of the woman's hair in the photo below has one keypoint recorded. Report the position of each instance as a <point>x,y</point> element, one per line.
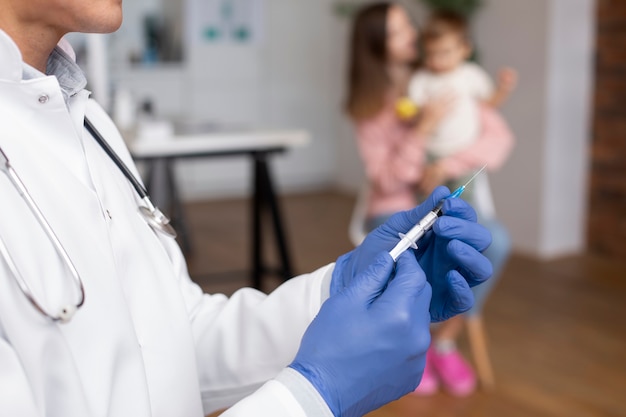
<point>368,81</point>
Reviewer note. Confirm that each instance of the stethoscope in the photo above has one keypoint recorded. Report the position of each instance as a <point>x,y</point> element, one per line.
<point>153,216</point>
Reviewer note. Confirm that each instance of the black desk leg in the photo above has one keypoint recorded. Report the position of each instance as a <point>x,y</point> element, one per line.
<point>265,197</point>
<point>179,222</point>
<point>257,241</point>
<point>279,232</point>
<point>161,186</point>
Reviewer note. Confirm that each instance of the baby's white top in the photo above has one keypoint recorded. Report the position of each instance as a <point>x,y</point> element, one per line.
<point>469,84</point>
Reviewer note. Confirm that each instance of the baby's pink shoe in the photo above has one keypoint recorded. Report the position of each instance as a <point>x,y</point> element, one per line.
<point>429,383</point>
<point>454,372</point>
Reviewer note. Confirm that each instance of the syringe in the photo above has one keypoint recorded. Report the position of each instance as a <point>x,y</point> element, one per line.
<point>410,239</point>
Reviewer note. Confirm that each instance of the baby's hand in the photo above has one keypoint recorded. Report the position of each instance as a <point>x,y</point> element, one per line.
<point>507,79</point>
<point>406,109</point>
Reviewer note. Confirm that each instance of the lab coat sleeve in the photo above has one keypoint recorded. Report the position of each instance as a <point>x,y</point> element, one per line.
<point>246,340</point>
<point>290,395</point>
<point>16,397</point>
<point>243,341</point>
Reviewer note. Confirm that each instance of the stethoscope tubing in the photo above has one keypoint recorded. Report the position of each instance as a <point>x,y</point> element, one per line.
<point>155,218</point>
<point>66,312</point>
<point>143,193</point>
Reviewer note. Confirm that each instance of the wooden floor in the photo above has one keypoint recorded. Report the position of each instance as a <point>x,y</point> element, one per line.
<point>557,330</point>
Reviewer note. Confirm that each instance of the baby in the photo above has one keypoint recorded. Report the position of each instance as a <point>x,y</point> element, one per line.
<point>446,71</point>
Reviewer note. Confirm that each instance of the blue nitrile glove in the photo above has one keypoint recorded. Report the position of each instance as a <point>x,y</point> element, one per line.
<point>367,345</point>
<point>450,256</point>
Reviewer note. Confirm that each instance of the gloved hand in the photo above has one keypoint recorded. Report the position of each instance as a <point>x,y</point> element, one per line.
<point>450,256</point>
<point>367,345</point>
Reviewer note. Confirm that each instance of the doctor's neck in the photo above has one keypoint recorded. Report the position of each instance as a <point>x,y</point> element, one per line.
<point>36,26</point>
<point>35,44</point>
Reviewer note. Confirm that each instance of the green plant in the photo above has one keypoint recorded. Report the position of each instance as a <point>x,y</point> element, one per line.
<point>463,7</point>
<point>346,8</point>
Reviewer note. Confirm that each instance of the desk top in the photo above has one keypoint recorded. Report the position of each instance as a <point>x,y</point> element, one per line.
<point>216,143</point>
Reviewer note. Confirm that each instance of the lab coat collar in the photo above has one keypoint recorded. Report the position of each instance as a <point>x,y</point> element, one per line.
<point>10,59</point>
<point>61,64</point>
<point>71,77</point>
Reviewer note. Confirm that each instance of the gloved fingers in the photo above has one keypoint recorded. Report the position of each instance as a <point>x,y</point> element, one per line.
<point>457,207</point>
<point>474,234</point>
<point>369,284</point>
<point>403,221</point>
<point>475,266</point>
<point>408,284</point>
<point>338,282</point>
<point>461,296</point>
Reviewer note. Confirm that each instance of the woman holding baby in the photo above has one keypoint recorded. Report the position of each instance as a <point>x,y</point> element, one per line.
<point>455,132</point>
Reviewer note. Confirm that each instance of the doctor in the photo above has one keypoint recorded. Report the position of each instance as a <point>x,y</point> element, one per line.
<point>108,323</point>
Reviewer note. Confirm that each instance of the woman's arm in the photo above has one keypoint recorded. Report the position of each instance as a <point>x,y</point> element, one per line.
<point>393,157</point>
<point>492,148</point>
<point>394,154</point>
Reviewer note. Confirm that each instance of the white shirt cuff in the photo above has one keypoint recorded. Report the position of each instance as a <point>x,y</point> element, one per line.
<point>305,393</point>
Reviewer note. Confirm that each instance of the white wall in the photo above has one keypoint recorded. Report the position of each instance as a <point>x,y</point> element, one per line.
<point>349,172</point>
<point>283,82</point>
<point>541,194</point>
<point>565,195</point>
<point>515,33</point>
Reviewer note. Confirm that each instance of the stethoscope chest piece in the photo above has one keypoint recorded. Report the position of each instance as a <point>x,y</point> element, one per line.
<point>153,216</point>
<point>66,313</point>
<point>157,220</point>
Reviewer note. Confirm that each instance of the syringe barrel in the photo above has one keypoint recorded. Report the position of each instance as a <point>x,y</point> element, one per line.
<point>424,225</point>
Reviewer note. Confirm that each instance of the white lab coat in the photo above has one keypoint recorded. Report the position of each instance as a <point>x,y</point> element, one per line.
<point>147,342</point>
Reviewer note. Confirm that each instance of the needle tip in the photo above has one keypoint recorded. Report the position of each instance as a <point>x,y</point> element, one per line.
<point>475,175</point>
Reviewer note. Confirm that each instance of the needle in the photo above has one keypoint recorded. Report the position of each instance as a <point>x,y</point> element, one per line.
<point>459,191</point>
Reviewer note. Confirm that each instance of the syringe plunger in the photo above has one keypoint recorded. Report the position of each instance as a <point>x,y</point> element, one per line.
<point>410,239</point>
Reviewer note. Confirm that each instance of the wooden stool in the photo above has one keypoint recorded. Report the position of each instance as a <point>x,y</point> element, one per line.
<point>478,345</point>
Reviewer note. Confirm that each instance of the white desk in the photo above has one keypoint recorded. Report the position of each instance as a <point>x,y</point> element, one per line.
<point>257,145</point>
<point>219,143</point>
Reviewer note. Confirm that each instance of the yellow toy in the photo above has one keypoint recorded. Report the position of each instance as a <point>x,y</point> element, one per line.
<point>406,109</point>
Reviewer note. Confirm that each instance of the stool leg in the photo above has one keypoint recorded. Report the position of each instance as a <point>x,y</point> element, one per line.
<point>478,345</point>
